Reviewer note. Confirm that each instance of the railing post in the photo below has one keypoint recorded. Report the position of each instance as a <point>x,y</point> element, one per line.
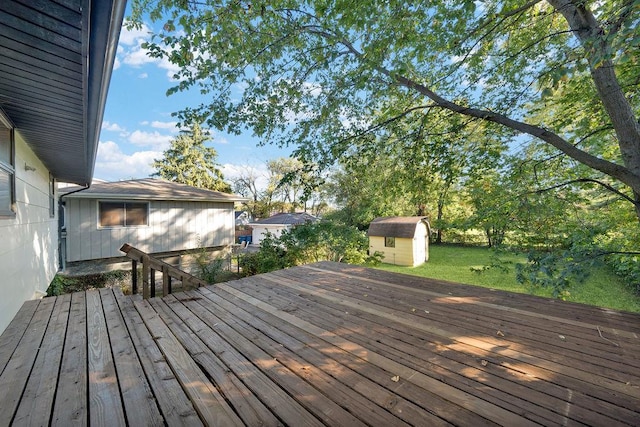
<point>152,282</point>
<point>134,276</point>
<point>145,276</point>
<point>149,267</point>
<point>166,280</point>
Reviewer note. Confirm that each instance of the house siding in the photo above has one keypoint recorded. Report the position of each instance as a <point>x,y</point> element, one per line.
<point>402,254</point>
<point>173,226</point>
<point>260,231</point>
<point>29,249</point>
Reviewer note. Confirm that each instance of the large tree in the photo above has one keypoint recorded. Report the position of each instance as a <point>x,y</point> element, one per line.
<point>189,161</point>
<point>321,74</point>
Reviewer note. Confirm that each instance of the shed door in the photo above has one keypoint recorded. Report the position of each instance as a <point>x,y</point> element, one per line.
<point>419,250</point>
<point>420,243</point>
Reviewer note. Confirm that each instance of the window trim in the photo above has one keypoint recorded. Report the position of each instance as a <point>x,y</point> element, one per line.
<point>10,168</point>
<point>124,203</point>
<point>52,196</point>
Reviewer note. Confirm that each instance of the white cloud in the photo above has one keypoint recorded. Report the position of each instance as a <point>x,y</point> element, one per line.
<point>134,36</point>
<point>114,127</point>
<point>130,52</point>
<point>171,126</point>
<point>150,139</point>
<point>217,139</point>
<point>171,68</point>
<point>113,165</point>
<point>313,89</point>
<point>143,75</point>
<point>137,57</point>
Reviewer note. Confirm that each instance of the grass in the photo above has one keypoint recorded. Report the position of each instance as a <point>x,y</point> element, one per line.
<point>62,284</point>
<point>469,265</point>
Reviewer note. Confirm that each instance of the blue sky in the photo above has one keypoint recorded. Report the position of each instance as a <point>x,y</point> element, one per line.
<point>138,125</point>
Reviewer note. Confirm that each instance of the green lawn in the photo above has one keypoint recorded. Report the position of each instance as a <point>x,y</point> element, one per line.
<point>463,265</point>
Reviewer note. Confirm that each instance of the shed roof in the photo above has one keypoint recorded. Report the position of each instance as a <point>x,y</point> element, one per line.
<point>55,69</point>
<point>395,226</point>
<point>149,189</point>
<point>285,218</point>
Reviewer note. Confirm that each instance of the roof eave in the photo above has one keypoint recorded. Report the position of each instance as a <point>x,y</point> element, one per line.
<point>111,196</point>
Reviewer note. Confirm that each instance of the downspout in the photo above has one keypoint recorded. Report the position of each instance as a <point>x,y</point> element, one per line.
<point>62,236</point>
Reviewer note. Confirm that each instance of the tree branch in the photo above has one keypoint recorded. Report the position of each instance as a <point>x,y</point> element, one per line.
<point>589,180</point>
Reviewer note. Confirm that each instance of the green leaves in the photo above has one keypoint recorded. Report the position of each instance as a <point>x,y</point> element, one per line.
<point>373,86</point>
<point>189,161</point>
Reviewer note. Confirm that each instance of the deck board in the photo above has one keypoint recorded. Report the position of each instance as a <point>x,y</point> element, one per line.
<point>105,404</point>
<point>15,330</point>
<point>326,344</point>
<point>16,374</point>
<point>36,403</point>
<point>70,407</point>
<point>206,398</point>
<point>174,403</point>
<point>247,405</point>
<point>138,400</point>
<point>277,352</point>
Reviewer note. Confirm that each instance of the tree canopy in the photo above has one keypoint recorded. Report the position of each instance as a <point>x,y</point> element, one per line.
<point>323,75</point>
<point>189,161</point>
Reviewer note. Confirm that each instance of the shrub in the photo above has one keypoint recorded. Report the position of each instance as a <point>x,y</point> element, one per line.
<point>307,243</point>
<point>271,257</point>
<point>209,269</point>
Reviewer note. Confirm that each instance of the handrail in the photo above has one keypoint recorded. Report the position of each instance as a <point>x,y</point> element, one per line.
<point>149,267</point>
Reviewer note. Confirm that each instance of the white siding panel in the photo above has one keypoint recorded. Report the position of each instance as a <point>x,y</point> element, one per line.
<point>172,226</point>
<point>29,248</point>
<point>72,213</point>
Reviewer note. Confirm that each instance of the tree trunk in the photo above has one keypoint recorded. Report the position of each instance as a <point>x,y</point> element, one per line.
<point>439,216</point>
<point>598,52</point>
<point>488,233</point>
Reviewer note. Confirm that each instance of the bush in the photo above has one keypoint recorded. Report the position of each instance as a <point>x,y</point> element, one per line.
<point>271,257</point>
<point>209,269</point>
<point>307,243</point>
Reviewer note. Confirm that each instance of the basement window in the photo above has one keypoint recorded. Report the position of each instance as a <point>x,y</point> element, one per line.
<point>389,242</point>
<point>7,169</point>
<point>123,214</point>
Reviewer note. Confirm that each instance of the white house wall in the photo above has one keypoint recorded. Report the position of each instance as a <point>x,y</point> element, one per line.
<point>29,242</point>
<point>260,231</point>
<point>173,226</point>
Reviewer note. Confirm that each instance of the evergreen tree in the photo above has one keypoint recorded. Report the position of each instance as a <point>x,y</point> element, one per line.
<point>189,161</point>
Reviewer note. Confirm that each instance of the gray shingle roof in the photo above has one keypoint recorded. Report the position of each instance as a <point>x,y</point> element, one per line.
<point>149,189</point>
<point>395,226</point>
<point>288,219</point>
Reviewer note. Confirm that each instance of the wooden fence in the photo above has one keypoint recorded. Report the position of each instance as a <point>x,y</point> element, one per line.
<point>150,266</point>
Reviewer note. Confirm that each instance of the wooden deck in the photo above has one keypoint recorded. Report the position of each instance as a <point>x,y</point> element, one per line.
<point>326,344</point>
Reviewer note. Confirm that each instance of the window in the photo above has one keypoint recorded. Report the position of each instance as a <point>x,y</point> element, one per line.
<point>389,242</point>
<point>7,168</point>
<point>123,214</point>
<point>52,196</point>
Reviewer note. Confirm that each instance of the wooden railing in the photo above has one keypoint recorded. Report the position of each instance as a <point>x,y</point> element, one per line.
<point>150,266</point>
